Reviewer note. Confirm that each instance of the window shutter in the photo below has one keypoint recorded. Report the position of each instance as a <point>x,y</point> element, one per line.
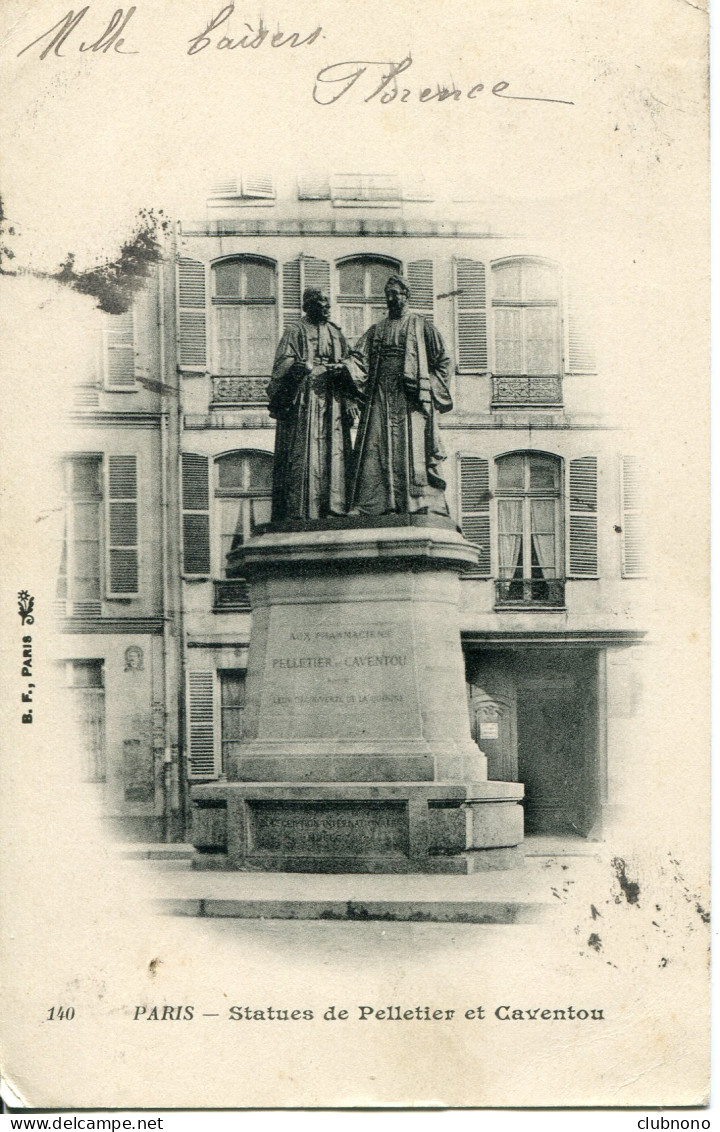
<point>420,282</point>
<point>582,517</point>
<point>202,745</point>
<point>580,344</point>
<point>291,291</point>
<point>315,273</point>
<point>475,507</point>
<point>634,551</point>
<point>192,319</point>
<point>471,315</point>
<point>305,271</point>
<point>225,187</point>
<point>196,514</point>
<point>258,185</point>
<point>120,351</point>
<point>313,188</point>
<point>122,526</point>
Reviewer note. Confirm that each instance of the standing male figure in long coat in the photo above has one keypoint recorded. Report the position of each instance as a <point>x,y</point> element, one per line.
<point>398,452</point>
<point>313,396</point>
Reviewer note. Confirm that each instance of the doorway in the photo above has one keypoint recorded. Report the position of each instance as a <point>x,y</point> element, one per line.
<point>546,704</point>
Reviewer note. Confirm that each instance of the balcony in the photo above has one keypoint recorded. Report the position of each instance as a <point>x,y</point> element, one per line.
<point>530,593</point>
<point>231,596</point>
<point>227,391</point>
<point>527,393</point>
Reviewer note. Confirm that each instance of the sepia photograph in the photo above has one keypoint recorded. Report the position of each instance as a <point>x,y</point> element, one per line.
<point>354,603</point>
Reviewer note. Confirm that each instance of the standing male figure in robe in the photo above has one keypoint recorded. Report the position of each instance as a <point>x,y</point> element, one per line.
<point>313,396</point>
<point>398,452</point>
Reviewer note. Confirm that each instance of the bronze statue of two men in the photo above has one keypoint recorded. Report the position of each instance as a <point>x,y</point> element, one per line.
<point>394,382</point>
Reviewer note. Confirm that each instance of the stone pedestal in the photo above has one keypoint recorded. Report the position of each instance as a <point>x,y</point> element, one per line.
<point>357,753</point>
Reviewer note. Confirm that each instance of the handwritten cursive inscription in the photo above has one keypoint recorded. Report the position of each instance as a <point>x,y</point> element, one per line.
<point>334,81</point>
<point>111,37</point>
<point>370,80</point>
<point>253,38</point>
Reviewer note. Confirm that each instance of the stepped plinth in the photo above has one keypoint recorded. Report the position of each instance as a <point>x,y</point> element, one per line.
<point>357,754</point>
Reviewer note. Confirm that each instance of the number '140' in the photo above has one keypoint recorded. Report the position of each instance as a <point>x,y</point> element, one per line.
<point>61,1014</point>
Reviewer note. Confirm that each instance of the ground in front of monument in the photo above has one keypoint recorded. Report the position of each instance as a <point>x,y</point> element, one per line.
<point>530,894</point>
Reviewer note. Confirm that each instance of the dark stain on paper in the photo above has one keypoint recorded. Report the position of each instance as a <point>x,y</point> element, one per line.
<point>630,888</point>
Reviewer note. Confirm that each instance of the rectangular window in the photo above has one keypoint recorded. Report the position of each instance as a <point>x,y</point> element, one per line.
<point>527,354</point>
<point>361,293</point>
<point>365,188</point>
<point>100,540</point>
<point>232,707</point>
<point>245,318</point>
<point>216,704</point>
<point>86,687</point>
<point>79,586</point>
<point>529,530</point>
<point>313,188</point>
<point>243,494</point>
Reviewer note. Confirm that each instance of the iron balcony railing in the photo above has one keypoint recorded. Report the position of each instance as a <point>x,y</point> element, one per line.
<point>231,595</point>
<point>527,592</point>
<point>240,390</point>
<point>527,392</point>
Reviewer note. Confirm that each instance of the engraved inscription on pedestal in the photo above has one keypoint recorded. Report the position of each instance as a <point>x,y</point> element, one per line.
<point>329,828</point>
<point>338,680</point>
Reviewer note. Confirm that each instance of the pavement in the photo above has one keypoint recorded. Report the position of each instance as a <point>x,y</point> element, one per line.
<point>510,896</point>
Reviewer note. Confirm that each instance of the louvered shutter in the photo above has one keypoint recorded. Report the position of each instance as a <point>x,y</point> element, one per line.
<point>634,550</point>
<point>192,314</point>
<point>225,187</point>
<point>120,351</point>
<point>122,526</point>
<point>420,282</point>
<point>196,514</point>
<point>258,185</point>
<point>297,274</point>
<point>582,518</point>
<point>475,507</point>
<point>471,316</point>
<point>202,739</point>
<point>313,188</point>
<point>580,339</point>
<point>315,273</point>
<point>291,291</point>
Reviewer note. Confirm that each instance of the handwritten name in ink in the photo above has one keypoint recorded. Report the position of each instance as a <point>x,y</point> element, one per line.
<point>110,37</point>
<point>26,603</point>
<point>252,37</point>
<point>379,80</point>
<point>363,81</point>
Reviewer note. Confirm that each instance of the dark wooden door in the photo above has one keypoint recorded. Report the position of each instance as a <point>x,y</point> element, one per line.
<point>555,761</point>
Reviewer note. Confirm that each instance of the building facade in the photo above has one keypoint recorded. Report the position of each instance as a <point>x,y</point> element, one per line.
<point>173,469</point>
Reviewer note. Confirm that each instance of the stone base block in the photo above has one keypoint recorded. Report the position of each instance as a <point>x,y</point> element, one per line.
<point>358,827</point>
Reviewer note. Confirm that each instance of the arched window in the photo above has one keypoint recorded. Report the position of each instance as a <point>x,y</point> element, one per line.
<point>361,293</point>
<point>243,488</point>
<point>526,316</point>
<point>244,299</point>
<point>530,553</point>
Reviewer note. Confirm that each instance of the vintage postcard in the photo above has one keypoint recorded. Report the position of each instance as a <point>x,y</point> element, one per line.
<point>355,740</point>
